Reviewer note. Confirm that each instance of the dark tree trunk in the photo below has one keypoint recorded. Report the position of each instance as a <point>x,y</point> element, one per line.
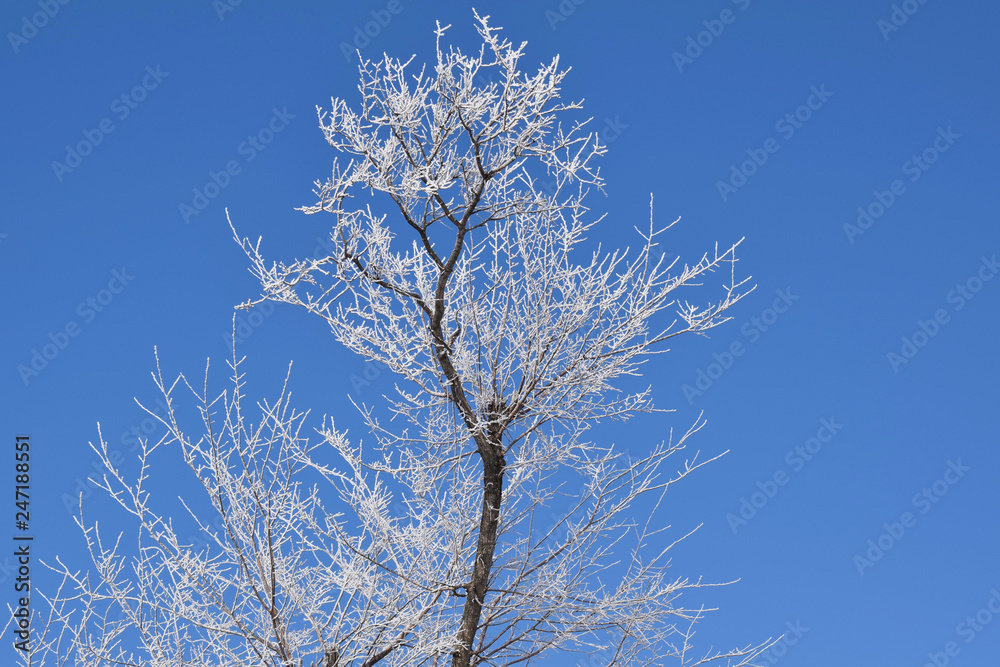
<point>489,523</point>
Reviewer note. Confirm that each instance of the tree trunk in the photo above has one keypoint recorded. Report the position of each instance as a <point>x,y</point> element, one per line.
<point>489,523</point>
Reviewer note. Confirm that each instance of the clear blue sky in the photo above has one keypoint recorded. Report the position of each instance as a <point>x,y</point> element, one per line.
<point>839,425</point>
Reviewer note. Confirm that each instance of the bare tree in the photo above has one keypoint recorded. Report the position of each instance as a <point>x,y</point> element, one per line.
<point>505,347</point>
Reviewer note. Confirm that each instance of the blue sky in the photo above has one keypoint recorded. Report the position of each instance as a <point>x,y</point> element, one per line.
<point>853,144</point>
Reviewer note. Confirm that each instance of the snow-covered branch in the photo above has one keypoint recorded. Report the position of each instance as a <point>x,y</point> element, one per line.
<point>449,540</point>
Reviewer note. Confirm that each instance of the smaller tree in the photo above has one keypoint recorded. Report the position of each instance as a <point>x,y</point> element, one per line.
<point>439,550</point>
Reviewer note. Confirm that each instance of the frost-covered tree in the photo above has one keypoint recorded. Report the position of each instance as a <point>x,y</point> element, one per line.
<point>435,545</point>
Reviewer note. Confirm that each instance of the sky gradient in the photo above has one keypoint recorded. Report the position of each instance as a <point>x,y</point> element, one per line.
<point>854,145</point>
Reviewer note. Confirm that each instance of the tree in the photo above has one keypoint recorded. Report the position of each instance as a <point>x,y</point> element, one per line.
<point>506,348</point>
